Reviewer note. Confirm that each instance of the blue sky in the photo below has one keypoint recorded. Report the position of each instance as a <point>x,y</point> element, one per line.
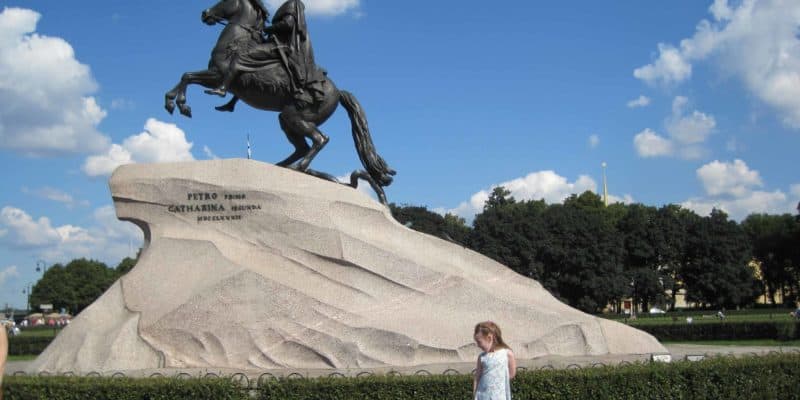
<point>689,102</point>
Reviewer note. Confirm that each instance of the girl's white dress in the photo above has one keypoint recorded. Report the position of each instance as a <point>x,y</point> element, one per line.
<point>494,383</point>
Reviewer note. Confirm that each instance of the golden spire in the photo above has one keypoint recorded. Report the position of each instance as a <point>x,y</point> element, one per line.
<point>605,185</point>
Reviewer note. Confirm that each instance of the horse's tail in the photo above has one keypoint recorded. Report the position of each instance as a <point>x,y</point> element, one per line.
<point>374,164</point>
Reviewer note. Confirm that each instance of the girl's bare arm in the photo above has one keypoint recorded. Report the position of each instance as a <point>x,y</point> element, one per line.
<point>477,377</point>
<point>512,365</point>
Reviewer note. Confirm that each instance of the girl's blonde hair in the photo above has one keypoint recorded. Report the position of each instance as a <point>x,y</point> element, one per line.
<point>488,327</point>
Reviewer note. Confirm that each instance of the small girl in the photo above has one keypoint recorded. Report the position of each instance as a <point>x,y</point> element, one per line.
<point>496,365</point>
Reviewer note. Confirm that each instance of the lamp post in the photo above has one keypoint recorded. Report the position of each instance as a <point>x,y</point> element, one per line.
<point>27,291</point>
<point>41,266</point>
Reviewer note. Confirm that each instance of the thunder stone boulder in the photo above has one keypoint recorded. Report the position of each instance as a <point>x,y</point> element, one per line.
<point>251,266</point>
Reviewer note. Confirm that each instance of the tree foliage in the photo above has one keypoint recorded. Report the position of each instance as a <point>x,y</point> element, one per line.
<point>125,266</point>
<point>583,253</point>
<point>775,240</point>
<point>718,253</point>
<point>73,286</point>
<point>419,218</point>
<point>645,255</point>
<point>590,255</point>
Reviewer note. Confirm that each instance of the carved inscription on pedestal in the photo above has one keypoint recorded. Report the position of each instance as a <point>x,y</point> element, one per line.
<point>215,207</point>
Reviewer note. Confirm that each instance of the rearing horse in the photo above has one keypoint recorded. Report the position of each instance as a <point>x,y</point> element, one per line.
<point>270,88</point>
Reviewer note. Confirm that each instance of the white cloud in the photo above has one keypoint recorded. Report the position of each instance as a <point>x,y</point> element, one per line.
<point>721,10</point>
<point>210,154</point>
<point>649,144</point>
<point>642,101</point>
<point>122,238</point>
<point>594,141</point>
<point>25,232</point>
<point>8,272</point>
<point>45,102</point>
<point>121,104</point>
<point>732,186</point>
<point>754,41</point>
<point>108,239</point>
<point>733,145</point>
<point>55,195</point>
<point>625,199</point>
<point>105,164</point>
<point>671,67</point>
<point>546,185</point>
<point>50,194</point>
<point>774,202</point>
<point>687,134</point>
<point>160,142</point>
<point>795,191</point>
<point>320,7</point>
<point>689,129</point>
<point>722,178</point>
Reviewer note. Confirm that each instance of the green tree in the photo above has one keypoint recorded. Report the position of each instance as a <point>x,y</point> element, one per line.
<point>717,274</point>
<point>511,233</point>
<point>773,238</point>
<point>73,286</point>
<point>582,257</point>
<point>125,266</point>
<point>499,197</point>
<point>643,259</point>
<point>674,223</point>
<point>419,218</point>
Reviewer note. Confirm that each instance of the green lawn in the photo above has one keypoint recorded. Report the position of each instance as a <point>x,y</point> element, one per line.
<point>757,342</point>
<point>707,318</point>
<point>26,357</point>
<point>40,332</point>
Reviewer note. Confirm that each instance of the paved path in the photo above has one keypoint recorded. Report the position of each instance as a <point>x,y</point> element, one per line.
<point>678,352</point>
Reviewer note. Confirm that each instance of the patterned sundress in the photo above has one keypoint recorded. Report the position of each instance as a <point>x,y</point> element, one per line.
<point>494,382</point>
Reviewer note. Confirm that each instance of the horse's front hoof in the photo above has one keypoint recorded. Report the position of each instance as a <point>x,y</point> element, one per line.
<point>170,107</point>
<point>186,111</point>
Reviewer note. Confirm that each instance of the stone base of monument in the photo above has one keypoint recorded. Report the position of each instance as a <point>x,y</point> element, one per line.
<point>248,266</point>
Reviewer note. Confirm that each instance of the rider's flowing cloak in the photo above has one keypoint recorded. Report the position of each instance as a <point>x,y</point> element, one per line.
<point>305,70</point>
<point>296,45</point>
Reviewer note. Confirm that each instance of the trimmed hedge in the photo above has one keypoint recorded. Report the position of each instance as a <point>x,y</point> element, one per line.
<point>770,377</point>
<point>764,378</point>
<point>774,377</point>
<point>82,388</point>
<point>784,330</point>
<point>27,345</point>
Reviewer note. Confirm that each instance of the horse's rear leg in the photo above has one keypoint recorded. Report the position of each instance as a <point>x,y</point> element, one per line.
<point>296,127</point>
<point>297,139</point>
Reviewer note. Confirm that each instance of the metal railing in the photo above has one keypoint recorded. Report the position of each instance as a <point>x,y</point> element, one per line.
<point>255,381</point>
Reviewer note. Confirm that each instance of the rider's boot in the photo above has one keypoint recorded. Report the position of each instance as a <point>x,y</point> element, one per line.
<point>233,70</point>
<point>220,91</point>
<point>229,106</point>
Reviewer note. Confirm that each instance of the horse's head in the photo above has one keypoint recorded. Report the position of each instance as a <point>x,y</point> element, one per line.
<point>252,12</point>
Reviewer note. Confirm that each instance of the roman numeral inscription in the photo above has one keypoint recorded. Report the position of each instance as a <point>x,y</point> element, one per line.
<point>215,207</point>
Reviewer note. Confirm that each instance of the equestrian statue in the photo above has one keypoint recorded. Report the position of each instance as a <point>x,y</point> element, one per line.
<point>272,68</point>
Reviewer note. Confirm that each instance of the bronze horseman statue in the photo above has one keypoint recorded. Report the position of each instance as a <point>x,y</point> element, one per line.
<point>272,68</point>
